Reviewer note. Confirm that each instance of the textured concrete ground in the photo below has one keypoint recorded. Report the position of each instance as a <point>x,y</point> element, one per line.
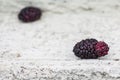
<point>42,50</point>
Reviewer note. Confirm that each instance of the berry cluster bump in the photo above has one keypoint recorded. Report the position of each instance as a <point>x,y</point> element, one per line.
<point>30,14</point>
<point>90,49</point>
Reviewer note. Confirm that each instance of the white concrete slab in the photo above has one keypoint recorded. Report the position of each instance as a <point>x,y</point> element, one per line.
<point>42,50</point>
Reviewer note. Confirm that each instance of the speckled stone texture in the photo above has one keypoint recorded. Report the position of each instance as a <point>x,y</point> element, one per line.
<point>43,50</point>
<point>64,70</point>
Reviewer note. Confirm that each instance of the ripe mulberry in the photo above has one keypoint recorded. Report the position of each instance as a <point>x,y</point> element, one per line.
<point>30,14</point>
<point>90,49</point>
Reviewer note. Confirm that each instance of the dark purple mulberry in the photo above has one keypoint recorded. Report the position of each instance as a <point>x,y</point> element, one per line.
<point>86,49</point>
<point>101,48</point>
<point>90,49</point>
<point>30,14</point>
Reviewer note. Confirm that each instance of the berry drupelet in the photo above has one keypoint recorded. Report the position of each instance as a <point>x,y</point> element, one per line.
<point>90,49</point>
<point>30,14</point>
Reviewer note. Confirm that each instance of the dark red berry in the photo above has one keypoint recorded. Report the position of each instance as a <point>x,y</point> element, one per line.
<point>101,48</point>
<point>90,49</point>
<point>86,49</point>
<point>30,14</point>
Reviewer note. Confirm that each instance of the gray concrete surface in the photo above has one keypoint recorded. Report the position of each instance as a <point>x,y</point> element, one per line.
<point>43,50</point>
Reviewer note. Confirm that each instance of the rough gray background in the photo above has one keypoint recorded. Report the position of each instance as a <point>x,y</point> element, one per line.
<point>43,50</point>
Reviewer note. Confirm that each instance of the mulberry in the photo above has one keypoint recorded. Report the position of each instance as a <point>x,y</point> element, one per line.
<point>30,14</point>
<point>101,49</point>
<point>90,49</point>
